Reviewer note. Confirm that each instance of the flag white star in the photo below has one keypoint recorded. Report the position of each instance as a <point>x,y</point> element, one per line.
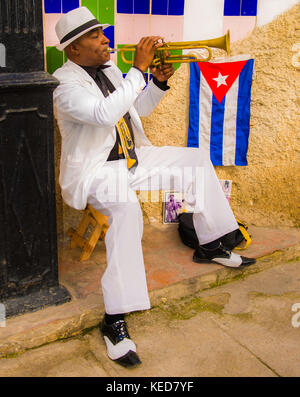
<point>220,80</point>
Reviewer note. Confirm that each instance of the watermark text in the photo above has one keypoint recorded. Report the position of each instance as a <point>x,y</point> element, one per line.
<point>296,317</point>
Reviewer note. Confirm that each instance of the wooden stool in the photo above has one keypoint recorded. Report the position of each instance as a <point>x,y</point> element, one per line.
<point>100,226</point>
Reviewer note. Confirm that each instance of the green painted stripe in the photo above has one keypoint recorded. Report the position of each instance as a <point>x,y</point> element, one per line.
<point>54,59</point>
<point>91,5</point>
<point>176,52</point>
<point>122,65</point>
<point>107,11</point>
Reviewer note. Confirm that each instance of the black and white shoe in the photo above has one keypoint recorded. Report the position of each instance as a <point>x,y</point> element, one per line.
<point>222,256</point>
<point>120,347</point>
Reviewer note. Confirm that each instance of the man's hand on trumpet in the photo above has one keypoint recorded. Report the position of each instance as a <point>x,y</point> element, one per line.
<point>144,55</point>
<point>145,51</point>
<point>162,72</point>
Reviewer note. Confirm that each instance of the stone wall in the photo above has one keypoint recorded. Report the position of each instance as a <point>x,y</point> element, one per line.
<point>266,192</point>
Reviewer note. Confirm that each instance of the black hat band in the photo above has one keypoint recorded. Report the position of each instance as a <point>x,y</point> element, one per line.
<point>80,29</point>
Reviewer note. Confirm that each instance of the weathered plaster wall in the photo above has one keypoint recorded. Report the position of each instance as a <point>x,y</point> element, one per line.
<point>266,192</point>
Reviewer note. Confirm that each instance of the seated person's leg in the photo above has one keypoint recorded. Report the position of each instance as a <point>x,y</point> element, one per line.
<point>213,217</point>
<point>124,282</point>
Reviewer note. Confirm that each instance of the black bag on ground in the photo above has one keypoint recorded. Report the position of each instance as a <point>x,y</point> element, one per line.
<point>187,231</point>
<point>189,237</point>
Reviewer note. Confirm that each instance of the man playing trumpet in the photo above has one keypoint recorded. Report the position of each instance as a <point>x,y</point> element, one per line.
<point>106,158</point>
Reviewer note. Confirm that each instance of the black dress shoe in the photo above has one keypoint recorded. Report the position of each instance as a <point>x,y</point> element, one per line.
<point>120,348</point>
<point>222,256</point>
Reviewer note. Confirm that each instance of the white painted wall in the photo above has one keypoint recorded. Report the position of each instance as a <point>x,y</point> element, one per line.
<point>267,10</point>
<point>203,19</point>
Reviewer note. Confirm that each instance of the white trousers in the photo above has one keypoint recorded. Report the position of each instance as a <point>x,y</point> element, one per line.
<point>112,193</point>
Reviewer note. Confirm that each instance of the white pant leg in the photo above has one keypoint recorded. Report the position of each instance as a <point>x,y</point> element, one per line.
<point>123,284</point>
<point>212,221</point>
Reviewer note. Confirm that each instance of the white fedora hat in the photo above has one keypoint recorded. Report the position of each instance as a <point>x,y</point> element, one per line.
<point>74,24</point>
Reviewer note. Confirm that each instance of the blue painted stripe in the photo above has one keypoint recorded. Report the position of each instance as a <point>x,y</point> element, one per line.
<point>249,7</point>
<point>68,5</point>
<point>232,7</point>
<point>194,111</point>
<point>110,34</point>
<point>52,6</point>
<point>243,113</point>
<point>159,7</point>
<point>216,131</point>
<point>176,7</point>
<point>125,6</point>
<point>141,6</point>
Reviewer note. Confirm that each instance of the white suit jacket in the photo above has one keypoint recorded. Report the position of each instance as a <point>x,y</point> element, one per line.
<point>87,120</point>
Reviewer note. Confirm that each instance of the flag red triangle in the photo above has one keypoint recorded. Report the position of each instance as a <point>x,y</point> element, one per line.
<point>221,76</point>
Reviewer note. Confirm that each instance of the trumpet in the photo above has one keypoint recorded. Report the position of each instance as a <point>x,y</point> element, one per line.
<point>163,54</point>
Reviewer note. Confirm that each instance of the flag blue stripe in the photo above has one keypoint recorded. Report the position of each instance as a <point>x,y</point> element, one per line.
<point>243,113</point>
<point>216,131</point>
<point>193,131</point>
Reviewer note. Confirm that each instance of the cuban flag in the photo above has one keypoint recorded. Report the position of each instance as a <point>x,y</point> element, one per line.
<point>219,111</point>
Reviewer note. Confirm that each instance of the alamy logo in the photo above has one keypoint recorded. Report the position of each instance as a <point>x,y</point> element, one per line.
<point>2,315</point>
<point>2,56</point>
<point>296,317</point>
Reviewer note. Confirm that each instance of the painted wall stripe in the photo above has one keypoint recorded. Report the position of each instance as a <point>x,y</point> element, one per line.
<point>249,7</point>
<point>125,6</point>
<point>52,6</point>
<point>232,7</point>
<point>68,5</point>
<point>196,16</point>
